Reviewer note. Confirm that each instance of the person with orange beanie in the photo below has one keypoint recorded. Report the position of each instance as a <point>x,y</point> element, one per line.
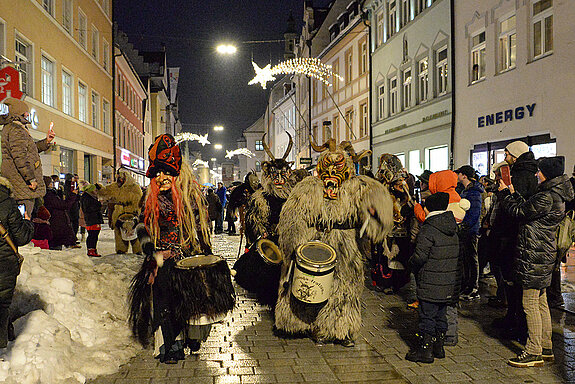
<point>445,181</point>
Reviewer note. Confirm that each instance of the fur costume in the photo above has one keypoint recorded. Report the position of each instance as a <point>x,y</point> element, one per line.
<point>331,208</point>
<point>126,209</point>
<point>185,301</point>
<point>262,216</point>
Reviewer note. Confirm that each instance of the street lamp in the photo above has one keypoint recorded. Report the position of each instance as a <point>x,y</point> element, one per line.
<point>218,146</point>
<point>226,49</point>
<point>213,159</point>
<point>218,128</point>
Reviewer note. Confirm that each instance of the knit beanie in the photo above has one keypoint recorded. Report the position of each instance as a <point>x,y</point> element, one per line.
<point>43,213</point>
<point>551,167</point>
<point>437,202</point>
<point>16,107</point>
<point>425,176</point>
<point>517,148</point>
<point>89,188</point>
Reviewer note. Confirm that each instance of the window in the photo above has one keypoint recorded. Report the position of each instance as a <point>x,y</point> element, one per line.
<point>423,80</point>
<point>259,145</point>
<point>542,27</point>
<point>381,102</point>
<point>66,93</point>
<point>335,69</point>
<point>441,71</point>
<point>95,110</point>
<point>106,116</point>
<point>23,55</point>
<point>478,57</point>
<point>47,81</point>
<point>507,44</point>
<point>48,6</point>
<point>437,158</point>
<point>326,131</point>
<point>336,128</point>
<point>414,164</point>
<point>401,157</point>
<point>348,66</point>
<point>95,43</point>
<point>407,88</point>
<point>67,15</point>
<point>393,96</point>
<point>258,166</point>
<point>82,102</point>
<point>363,120</point>
<point>106,56</point>
<point>380,32</point>
<point>421,5</point>
<point>349,124</point>
<point>363,58</point>
<point>106,7</point>
<point>82,29</point>
<point>392,18</point>
<point>405,11</point>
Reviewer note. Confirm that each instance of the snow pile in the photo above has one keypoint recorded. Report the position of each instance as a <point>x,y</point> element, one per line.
<point>72,316</point>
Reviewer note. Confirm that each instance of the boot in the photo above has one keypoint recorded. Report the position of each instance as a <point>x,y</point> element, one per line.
<point>423,352</point>
<point>92,252</point>
<point>438,351</point>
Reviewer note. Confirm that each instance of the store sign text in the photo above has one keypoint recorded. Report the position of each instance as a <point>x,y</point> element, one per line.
<point>507,115</point>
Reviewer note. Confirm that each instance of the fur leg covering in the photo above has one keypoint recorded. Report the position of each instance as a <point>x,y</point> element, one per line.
<point>121,245</point>
<point>140,300</point>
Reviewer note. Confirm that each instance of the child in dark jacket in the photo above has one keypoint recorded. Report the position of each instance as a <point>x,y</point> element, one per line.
<point>42,229</point>
<point>92,210</point>
<point>434,264</point>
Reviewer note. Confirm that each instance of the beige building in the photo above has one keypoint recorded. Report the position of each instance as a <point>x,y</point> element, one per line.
<point>62,49</point>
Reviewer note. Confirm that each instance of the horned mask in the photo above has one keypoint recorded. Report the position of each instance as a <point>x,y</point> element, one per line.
<point>276,172</point>
<point>335,165</point>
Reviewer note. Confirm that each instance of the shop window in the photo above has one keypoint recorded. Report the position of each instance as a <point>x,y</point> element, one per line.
<point>542,22</point>
<point>478,57</point>
<point>414,163</point>
<point>544,150</point>
<point>437,158</point>
<point>507,44</point>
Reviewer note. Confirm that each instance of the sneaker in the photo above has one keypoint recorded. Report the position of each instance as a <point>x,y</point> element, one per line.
<point>473,295</point>
<point>547,354</point>
<point>526,360</point>
<point>464,295</point>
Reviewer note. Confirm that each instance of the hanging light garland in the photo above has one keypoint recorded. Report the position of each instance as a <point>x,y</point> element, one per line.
<point>188,136</point>
<point>201,162</point>
<point>239,151</point>
<point>308,66</point>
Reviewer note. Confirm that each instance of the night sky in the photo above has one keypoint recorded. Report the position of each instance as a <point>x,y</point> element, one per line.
<point>212,88</point>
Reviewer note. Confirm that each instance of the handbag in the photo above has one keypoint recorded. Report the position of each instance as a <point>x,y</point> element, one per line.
<point>6,236</point>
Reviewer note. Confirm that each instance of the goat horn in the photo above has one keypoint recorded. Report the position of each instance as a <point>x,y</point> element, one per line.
<point>288,150</point>
<point>332,145</point>
<point>317,148</point>
<point>361,155</point>
<point>266,148</point>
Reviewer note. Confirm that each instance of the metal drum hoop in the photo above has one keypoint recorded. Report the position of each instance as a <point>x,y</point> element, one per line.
<point>197,261</point>
<point>314,263</point>
<point>261,244</point>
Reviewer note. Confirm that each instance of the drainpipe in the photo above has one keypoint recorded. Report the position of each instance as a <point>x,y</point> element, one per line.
<point>309,100</point>
<point>452,39</point>
<point>367,23</point>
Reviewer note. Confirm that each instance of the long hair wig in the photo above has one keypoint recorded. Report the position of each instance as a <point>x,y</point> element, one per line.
<point>188,202</point>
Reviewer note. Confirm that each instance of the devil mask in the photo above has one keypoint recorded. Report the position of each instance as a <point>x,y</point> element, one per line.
<point>276,172</point>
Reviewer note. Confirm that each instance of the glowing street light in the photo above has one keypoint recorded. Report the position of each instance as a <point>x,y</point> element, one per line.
<point>218,146</point>
<point>218,128</point>
<point>213,159</point>
<point>226,49</point>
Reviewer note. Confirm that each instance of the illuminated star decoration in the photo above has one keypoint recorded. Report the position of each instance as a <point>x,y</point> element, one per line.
<point>200,162</point>
<point>263,75</point>
<point>239,151</point>
<point>308,66</point>
<point>188,136</point>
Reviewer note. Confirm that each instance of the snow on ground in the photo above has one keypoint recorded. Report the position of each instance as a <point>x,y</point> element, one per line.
<point>71,315</point>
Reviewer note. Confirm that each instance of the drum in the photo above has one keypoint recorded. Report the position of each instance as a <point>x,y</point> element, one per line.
<point>312,279</point>
<point>198,261</point>
<point>258,270</point>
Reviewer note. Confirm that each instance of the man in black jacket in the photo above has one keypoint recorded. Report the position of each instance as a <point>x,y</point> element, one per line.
<point>21,232</point>
<point>539,218</point>
<point>434,263</point>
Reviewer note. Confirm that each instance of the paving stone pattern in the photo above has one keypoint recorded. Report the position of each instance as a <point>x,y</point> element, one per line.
<point>243,349</point>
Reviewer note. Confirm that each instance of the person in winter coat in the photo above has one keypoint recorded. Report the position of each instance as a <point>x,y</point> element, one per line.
<point>523,168</point>
<point>469,231</point>
<point>42,231</point>
<point>21,162</point>
<point>214,207</point>
<point>126,196</point>
<point>62,234</point>
<point>20,231</point>
<point>539,218</point>
<point>435,265</point>
<point>92,209</point>
<point>222,194</point>
<point>70,183</point>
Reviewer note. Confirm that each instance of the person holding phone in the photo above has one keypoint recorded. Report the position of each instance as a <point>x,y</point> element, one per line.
<point>19,231</point>
<point>21,163</point>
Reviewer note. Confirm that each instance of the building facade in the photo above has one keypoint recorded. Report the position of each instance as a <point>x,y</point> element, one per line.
<point>63,52</point>
<point>252,140</point>
<point>514,79</point>
<point>410,90</point>
<point>281,114</point>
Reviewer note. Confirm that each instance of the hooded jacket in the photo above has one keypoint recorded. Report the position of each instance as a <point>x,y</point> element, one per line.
<point>473,193</point>
<point>435,260</point>
<point>21,160</point>
<point>445,181</point>
<point>20,231</point>
<point>539,218</point>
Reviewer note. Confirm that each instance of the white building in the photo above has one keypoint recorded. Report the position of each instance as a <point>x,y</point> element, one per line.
<point>515,78</point>
<point>411,82</point>
<point>252,140</point>
<point>282,118</point>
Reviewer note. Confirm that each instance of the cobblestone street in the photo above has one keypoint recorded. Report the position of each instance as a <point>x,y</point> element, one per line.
<point>243,349</point>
